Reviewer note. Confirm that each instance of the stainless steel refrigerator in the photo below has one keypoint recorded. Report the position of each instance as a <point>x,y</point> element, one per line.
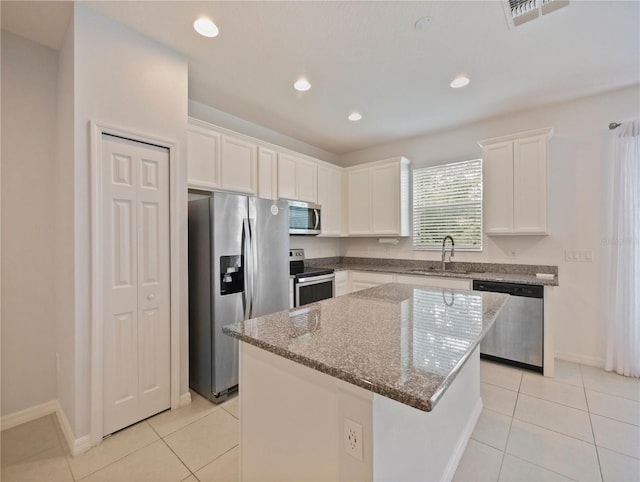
<point>238,269</point>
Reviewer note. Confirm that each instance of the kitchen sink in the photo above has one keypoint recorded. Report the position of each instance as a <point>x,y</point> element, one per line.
<point>440,270</point>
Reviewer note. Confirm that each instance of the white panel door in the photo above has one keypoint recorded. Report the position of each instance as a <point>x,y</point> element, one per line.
<point>385,186</point>
<point>239,165</point>
<point>359,202</point>
<point>286,176</point>
<point>530,185</point>
<point>136,318</point>
<point>203,157</point>
<point>306,181</point>
<point>497,179</point>
<point>267,173</point>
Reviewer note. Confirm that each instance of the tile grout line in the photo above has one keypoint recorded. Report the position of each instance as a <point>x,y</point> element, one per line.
<point>591,425</point>
<point>506,443</point>
<point>118,459</point>
<point>172,451</point>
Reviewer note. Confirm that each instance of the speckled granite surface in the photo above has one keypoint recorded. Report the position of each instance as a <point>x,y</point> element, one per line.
<point>512,273</point>
<point>402,341</point>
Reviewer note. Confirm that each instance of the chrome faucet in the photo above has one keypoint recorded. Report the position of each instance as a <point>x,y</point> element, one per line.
<point>444,251</point>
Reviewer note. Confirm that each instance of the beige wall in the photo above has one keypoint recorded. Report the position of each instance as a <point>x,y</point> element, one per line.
<point>29,79</point>
<point>579,154</point>
<point>128,81</point>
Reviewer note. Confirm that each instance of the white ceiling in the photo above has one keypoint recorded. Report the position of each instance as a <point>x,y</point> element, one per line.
<point>366,56</point>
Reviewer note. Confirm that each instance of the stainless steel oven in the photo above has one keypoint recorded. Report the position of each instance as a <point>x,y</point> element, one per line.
<point>310,284</point>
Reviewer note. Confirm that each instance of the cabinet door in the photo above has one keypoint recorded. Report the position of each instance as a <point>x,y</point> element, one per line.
<point>267,173</point>
<point>385,187</point>
<point>306,180</point>
<point>460,284</point>
<point>530,185</point>
<point>342,283</point>
<point>497,179</point>
<point>330,199</point>
<point>239,165</point>
<point>361,280</point>
<point>359,202</point>
<point>203,158</point>
<point>286,176</point>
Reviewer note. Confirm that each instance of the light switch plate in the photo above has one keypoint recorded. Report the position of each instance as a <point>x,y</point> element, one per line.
<point>578,255</point>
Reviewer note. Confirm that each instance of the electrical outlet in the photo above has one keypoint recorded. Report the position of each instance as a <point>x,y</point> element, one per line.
<point>353,439</point>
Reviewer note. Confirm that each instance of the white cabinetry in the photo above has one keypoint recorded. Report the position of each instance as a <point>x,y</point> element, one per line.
<point>216,160</point>
<point>515,183</point>
<point>361,280</point>
<point>330,199</point>
<point>378,198</point>
<point>239,165</point>
<point>267,173</point>
<point>297,178</point>
<point>341,283</point>
<point>454,283</point>
<point>203,157</point>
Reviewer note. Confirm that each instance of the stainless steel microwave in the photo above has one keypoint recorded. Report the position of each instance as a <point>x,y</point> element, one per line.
<point>304,218</point>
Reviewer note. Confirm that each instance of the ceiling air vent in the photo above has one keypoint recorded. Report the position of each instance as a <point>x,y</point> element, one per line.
<point>521,11</point>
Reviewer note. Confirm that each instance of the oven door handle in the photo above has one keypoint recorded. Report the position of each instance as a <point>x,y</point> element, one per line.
<point>312,280</point>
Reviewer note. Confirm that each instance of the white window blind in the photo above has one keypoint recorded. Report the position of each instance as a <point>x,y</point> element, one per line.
<point>447,200</point>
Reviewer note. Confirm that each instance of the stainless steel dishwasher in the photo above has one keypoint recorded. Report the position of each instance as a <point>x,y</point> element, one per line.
<point>517,335</point>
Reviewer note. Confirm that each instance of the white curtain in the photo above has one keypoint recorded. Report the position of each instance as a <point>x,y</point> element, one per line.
<point>623,347</point>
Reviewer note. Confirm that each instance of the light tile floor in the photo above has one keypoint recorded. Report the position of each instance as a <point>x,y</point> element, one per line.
<point>198,442</point>
<point>582,425</point>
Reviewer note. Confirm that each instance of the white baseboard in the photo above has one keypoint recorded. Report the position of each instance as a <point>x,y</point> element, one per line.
<point>576,358</point>
<point>76,445</point>
<point>461,446</point>
<point>185,399</point>
<point>29,414</point>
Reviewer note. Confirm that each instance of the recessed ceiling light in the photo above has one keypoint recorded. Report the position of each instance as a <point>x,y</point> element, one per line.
<point>459,81</point>
<point>302,85</point>
<point>206,27</point>
<point>355,116</point>
<point>422,23</point>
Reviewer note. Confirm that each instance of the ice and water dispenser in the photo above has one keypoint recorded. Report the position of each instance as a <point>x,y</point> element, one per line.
<point>231,274</point>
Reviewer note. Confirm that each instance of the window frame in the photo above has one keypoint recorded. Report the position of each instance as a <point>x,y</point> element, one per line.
<point>480,247</point>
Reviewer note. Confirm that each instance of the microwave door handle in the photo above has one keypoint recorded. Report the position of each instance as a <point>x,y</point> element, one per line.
<point>316,216</point>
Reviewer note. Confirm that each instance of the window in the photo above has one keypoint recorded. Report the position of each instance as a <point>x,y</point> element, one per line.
<point>447,200</point>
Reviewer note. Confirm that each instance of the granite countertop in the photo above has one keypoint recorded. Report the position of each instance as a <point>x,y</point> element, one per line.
<point>404,342</point>
<point>511,273</point>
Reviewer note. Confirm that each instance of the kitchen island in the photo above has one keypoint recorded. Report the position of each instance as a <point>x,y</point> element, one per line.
<point>382,384</point>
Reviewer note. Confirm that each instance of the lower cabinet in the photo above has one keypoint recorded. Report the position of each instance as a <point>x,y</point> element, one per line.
<point>351,281</point>
<point>361,280</point>
<point>454,283</point>
<point>341,283</point>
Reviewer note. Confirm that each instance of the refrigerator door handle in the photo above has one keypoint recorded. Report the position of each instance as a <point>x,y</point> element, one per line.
<point>247,296</point>
<point>254,262</point>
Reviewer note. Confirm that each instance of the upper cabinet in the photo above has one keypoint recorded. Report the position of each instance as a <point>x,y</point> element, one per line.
<point>267,173</point>
<point>378,198</point>
<point>239,165</point>
<point>217,160</point>
<point>203,157</point>
<point>297,178</point>
<point>514,181</point>
<point>330,199</point>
